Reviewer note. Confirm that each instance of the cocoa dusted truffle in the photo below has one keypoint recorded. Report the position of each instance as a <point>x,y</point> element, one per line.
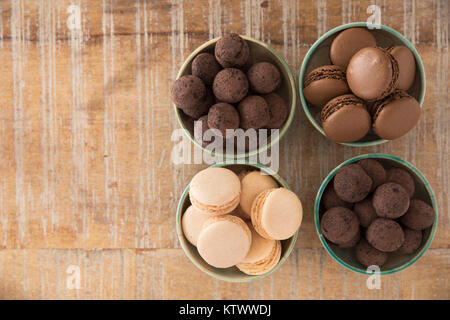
<point>374,170</point>
<point>202,108</point>
<point>188,92</point>
<point>200,127</point>
<point>419,216</point>
<point>232,51</point>
<point>223,116</point>
<point>330,199</point>
<point>385,235</point>
<point>352,183</point>
<point>339,225</point>
<point>368,255</point>
<point>264,77</point>
<point>230,85</point>
<point>254,112</point>
<point>390,200</point>
<point>205,67</point>
<point>352,242</point>
<point>278,111</point>
<point>413,239</point>
<point>403,178</point>
<point>365,212</point>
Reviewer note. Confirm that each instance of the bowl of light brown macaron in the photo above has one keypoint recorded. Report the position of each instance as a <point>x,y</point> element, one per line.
<point>238,221</point>
<point>362,87</point>
<point>236,86</point>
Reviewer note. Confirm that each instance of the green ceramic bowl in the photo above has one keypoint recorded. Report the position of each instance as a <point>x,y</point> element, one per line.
<point>259,51</point>
<point>396,262</point>
<point>232,274</point>
<point>318,55</point>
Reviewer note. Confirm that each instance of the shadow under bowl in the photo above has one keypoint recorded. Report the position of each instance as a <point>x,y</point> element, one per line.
<point>259,52</point>
<point>396,261</point>
<point>232,274</point>
<point>319,55</point>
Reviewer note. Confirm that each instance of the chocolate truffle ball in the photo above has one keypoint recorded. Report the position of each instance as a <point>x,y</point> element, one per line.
<point>368,255</point>
<point>413,239</point>
<point>232,51</point>
<point>403,178</point>
<point>254,112</point>
<point>205,67</point>
<point>223,116</point>
<point>375,171</point>
<point>352,242</point>
<point>330,199</point>
<point>365,212</point>
<point>230,85</point>
<point>385,235</point>
<point>419,216</point>
<point>201,109</point>
<point>351,183</point>
<point>188,92</point>
<point>278,111</point>
<point>390,200</point>
<point>264,77</point>
<point>339,225</point>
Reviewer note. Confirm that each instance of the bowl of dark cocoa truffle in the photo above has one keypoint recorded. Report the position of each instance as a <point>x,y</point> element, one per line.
<point>375,213</point>
<point>234,96</point>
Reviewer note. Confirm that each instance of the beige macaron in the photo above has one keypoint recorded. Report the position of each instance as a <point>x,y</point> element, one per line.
<point>277,214</point>
<point>263,256</point>
<point>215,190</point>
<point>224,241</point>
<point>192,222</point>
<point>252,184</point>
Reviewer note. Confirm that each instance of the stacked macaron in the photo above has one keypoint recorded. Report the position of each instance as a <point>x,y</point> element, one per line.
<point>240,220</point>
<point>373,209</point>
<point>227,91</point>
<point>364,90</point>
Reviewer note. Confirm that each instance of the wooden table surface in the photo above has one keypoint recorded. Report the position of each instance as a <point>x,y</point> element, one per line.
<point>86,177</point>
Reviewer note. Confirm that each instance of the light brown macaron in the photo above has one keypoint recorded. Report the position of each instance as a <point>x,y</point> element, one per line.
<point>192,222</point>
<point>224,241</point>
<point>406,66</point>
<point>252,184</point>
<point>345,119</point>
<point>372,74</point>
<point>347,43</point>
<point>325,83</point>
<point>277,213</point>
<point>215,190</point>
<point>263,256</point>
<point>395,115</point>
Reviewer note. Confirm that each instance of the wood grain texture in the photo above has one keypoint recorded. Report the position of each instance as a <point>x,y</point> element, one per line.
<point>86,176</point>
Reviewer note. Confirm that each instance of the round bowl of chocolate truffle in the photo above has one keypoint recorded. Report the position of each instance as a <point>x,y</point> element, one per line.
<point>238,221</point>
<point>234,96</point>
<point>362,87</point>
<point>375,210</point>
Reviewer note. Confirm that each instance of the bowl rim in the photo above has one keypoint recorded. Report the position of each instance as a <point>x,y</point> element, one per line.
<point>327,35</point>
<point>283,130</point>
<point>245,277</point>
<point>403,163</point>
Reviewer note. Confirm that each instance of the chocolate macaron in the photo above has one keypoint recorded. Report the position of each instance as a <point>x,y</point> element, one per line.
<point>395,115</point>
<point>351,183</point>
<point>347,43</point>
<point>230,85</point>
<point>385,235</point>
<point>345,119</point>
<point>372,73</point>
<point>406,66</point>
<point>325,83</point>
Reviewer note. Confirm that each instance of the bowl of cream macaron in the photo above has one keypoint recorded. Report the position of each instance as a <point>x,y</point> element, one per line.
<point>343,96</point>
<point>258,52</point>
<point>229,223</point>
<point>418,224</point>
